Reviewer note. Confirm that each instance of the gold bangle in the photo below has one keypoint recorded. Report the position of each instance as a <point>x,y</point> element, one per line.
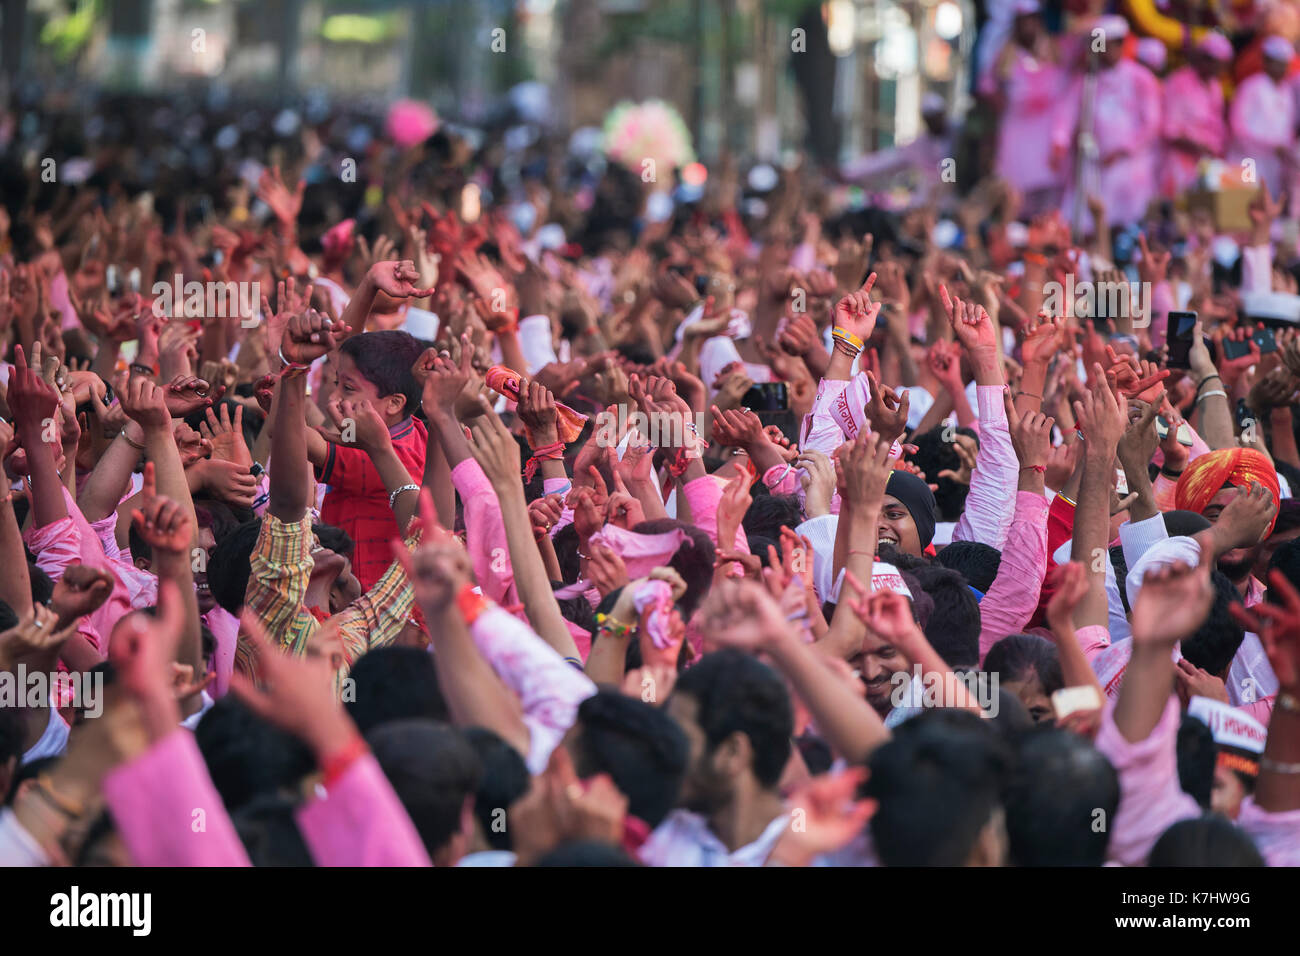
<point>127,438</point>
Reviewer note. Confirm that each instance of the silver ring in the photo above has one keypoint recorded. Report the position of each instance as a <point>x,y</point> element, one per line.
<point>39,623</point>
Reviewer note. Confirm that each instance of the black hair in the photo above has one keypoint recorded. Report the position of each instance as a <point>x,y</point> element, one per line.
<point>586,853</point>
<point>938,783</point>
<point>42,584</point>
<point>693,560</point>
<point>269,831</point>
<point>1287,560</point>
<point>395,683</point>
<point>642,749</point>
<point>1197,756</point>
<point>768,513</point>
<point>1060,800</point>
<point>1207,840</point>
<point>8,617</point>
<point>977,562</point>
<point>935,454</point>
<point>246,756</point>
<point>953,626</point>
<point>1213,645</point>
<point>433,770</point>
<point>504,780</point>
<point>230,565</point>
<point>384,359</point>
<point>735,693</point>
<point>1017,656</point>
<point>11,740</point>
<point>334,538</point>
<point>890,554</point>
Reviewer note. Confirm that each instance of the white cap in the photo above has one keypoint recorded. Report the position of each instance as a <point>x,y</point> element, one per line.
<point>1112,26</point>
<point>1159,555</point>
<point>1152,52</point>
<point>1231,727</point>
<point>1278,48</point>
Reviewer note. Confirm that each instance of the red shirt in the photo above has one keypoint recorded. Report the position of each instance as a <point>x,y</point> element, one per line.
<point>358,503</point>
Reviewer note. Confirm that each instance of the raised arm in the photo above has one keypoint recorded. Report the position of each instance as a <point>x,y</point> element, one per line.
<point>498,455</point>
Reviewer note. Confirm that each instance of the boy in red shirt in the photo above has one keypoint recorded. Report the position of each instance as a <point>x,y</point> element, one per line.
<point>375,367</point>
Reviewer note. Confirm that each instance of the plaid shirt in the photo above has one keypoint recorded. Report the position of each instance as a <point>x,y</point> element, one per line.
<point>357,501</point>
<point>281,564</point>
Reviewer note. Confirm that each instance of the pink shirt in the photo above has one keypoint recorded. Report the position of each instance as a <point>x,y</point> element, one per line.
<point>1012,598</point>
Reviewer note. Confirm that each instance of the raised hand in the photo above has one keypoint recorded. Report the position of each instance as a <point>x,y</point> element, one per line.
<point>82,590</point>
<point>164,524</point>
<point>736,427</point>
<point>886,411</point>
<point>864,468</point>
<point>296,694</point>
<point>537,413</point>
<point>398,278</point>
<point>1277,622</point>
<point>186,393</point>
<point>856,313</point>
<point>310,335</point>
<point>495,449</point>
<point>145,403</point>
<point>1172,604</point>
<point>438,567</point>
<point>32,401</point>
<point>1102,416</point>
<point>225,435</point>
<point>827,815</point>
<point>606,570</point>
<point>284,204</point>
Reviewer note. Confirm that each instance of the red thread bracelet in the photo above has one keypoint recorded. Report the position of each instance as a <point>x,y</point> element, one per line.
<point>336,764</point>
<point>551,452</point>
<point>470,603</point>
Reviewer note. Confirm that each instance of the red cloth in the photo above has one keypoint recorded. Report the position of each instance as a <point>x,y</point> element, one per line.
<point>358,503</point>
<point>1206,476</point>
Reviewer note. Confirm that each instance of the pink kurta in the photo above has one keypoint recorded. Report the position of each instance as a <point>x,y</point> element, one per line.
<point>1262,123</point>
<point>1193,109</point>
<point>1032,94</point>
<point>1125,127</point>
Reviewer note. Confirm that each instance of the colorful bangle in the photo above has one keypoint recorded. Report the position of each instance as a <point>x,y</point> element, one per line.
<point>841,334</point>
<point>1066,498</point>
<point>471,604</point>
<point>336,764</point>
<point>605,624</point>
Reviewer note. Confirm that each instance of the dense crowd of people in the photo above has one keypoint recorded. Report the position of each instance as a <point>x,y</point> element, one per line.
<point>445,506</point>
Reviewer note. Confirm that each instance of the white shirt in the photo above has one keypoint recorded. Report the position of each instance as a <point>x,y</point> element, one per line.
<point>684,839</point>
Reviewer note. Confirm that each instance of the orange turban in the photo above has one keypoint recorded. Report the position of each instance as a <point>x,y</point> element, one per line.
<point>568,422</point>
<point>1206,476</point>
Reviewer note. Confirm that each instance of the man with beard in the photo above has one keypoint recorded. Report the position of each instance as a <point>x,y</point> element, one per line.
<point>1209,484</point>
<point>737,717</point>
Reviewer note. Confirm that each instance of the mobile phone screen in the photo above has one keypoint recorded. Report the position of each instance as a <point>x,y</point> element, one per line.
<point>1182,325</point>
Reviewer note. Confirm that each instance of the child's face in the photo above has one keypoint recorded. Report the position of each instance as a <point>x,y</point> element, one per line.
<point>349,385</point>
